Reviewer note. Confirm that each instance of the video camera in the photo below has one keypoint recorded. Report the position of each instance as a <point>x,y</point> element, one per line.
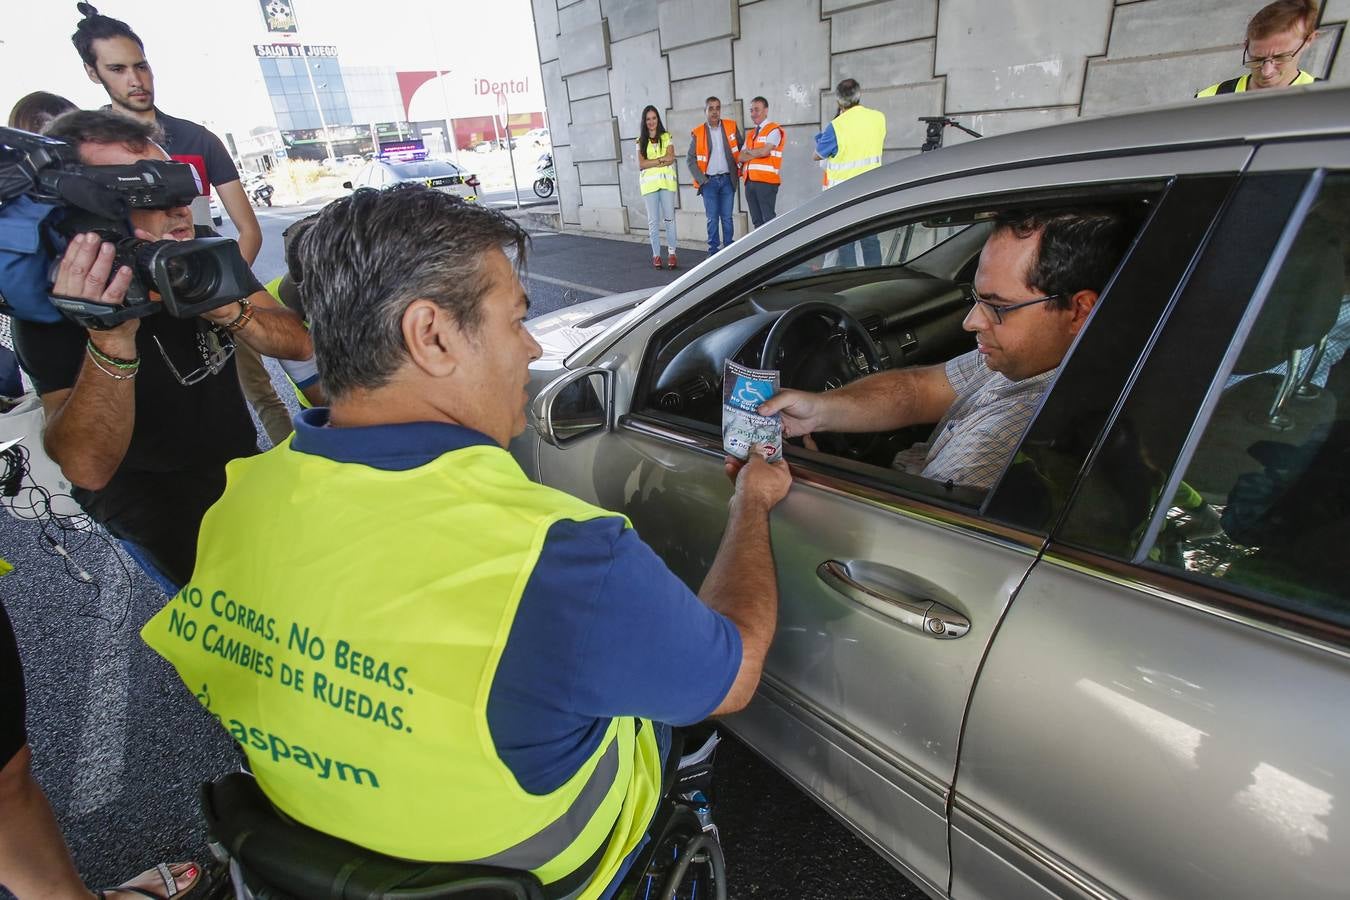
<point>47,196</point>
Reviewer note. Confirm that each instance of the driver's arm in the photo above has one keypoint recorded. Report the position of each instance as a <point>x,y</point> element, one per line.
<point>881,402</point>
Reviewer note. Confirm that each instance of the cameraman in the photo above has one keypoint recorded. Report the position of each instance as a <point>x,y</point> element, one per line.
<point>114,58</point>
<point>142,417</point>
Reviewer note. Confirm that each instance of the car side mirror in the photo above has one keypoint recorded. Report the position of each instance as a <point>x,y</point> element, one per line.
<point>347,185</point>
<point>575,404</point>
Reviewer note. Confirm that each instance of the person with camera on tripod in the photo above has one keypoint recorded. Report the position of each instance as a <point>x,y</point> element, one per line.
<point>143,416</point>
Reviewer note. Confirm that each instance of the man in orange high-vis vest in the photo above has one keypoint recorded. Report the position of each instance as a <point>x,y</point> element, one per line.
<point>714,162</point>
<point>762,163</point>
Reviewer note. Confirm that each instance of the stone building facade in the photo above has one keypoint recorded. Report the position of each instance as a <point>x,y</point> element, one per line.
<point>997,66</point>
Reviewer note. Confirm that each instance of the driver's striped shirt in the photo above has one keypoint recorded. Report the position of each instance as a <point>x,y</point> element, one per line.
<point>973,442</point>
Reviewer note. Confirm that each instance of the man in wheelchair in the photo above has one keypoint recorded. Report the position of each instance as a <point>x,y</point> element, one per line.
<point>1039,277</point>
<point>447,675</point>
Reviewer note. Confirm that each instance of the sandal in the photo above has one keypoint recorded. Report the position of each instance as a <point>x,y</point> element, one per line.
<point>672,261</point>
<point>656,262</point>
<point>193,873</point>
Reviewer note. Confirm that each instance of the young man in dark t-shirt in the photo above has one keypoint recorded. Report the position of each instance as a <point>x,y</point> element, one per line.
<point>114,57</point>
<point>142,417</point>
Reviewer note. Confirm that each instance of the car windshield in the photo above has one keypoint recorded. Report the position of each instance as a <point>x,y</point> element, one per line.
<point>429,168</point>
<point>902,246</point>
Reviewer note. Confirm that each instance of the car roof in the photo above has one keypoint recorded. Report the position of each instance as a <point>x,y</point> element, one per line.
<point>1247,118</point>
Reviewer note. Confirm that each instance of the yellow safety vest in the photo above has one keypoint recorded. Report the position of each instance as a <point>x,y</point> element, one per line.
<point>1239,85</point>
<point>353,660</point>
<point>861,133</point>
<point>657,178</point>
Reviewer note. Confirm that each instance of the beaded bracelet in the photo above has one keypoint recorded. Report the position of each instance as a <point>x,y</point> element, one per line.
<point>245,316</point>
<point>113,360</point>
<point>128,373</point>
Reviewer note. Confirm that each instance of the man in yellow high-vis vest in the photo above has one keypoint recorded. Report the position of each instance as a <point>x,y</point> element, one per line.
<point>1277,37</point>
<point>446,661</point>
<point>851,145</point>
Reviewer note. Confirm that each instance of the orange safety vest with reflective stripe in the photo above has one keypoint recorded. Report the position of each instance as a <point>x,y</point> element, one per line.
<point>701,146</point>
<point>767,169</point>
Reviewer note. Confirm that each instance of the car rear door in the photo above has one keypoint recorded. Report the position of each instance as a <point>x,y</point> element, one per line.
<point>1164,711</point>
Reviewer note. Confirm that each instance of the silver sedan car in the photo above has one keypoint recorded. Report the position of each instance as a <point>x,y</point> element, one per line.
<point>1124,669</point>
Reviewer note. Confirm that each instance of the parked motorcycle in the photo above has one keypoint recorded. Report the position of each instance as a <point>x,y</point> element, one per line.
<point>259,191</point>
<point>543,184</point>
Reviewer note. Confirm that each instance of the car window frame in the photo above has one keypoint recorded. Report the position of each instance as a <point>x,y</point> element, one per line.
<point>870,482</point>
<point>1190,382</point>
<point>1111,348</point>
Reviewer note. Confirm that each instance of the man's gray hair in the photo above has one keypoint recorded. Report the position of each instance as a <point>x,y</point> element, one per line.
<point>102,126</point>
<point>848,92</point>
<point>369,256</point>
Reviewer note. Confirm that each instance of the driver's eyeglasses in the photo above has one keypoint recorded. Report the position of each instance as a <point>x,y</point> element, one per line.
<point>213,359</point>
<point>998,310</point>
<point>1280,60</point>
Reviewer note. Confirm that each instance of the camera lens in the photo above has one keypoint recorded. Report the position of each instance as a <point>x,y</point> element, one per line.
<point>192,277</point>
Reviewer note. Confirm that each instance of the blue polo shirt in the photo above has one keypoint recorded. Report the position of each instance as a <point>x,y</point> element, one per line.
<point>827,144</point>
<point>603,628</point>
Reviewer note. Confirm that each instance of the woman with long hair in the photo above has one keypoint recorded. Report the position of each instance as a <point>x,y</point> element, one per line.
<point>35,111</point>
<point>656,177</point>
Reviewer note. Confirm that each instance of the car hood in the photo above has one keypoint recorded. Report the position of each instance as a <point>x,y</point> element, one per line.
<point>563,332</point>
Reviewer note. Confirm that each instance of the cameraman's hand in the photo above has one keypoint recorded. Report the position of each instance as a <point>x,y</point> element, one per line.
<point>83,274</point>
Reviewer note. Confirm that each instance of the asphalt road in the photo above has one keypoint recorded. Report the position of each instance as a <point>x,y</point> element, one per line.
<point>121,745</point>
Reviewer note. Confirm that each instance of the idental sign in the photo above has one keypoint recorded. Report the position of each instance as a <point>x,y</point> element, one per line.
<point>485,88</point>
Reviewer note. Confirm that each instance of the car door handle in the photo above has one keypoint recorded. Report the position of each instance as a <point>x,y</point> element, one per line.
<point>920,613</point>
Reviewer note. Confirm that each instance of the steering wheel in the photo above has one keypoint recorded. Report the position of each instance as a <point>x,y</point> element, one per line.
<point>837,366</point>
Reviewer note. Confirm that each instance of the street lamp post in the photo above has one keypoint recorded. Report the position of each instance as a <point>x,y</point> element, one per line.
<point>317,105</point>
<point>510,151</point>
<point>441,72</point>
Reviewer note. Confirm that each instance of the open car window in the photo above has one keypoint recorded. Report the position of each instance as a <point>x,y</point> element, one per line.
<point>899,283</point>
<point>1263,506</point>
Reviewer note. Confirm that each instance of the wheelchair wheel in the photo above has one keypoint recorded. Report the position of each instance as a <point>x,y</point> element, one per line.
<point>686,864</point>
